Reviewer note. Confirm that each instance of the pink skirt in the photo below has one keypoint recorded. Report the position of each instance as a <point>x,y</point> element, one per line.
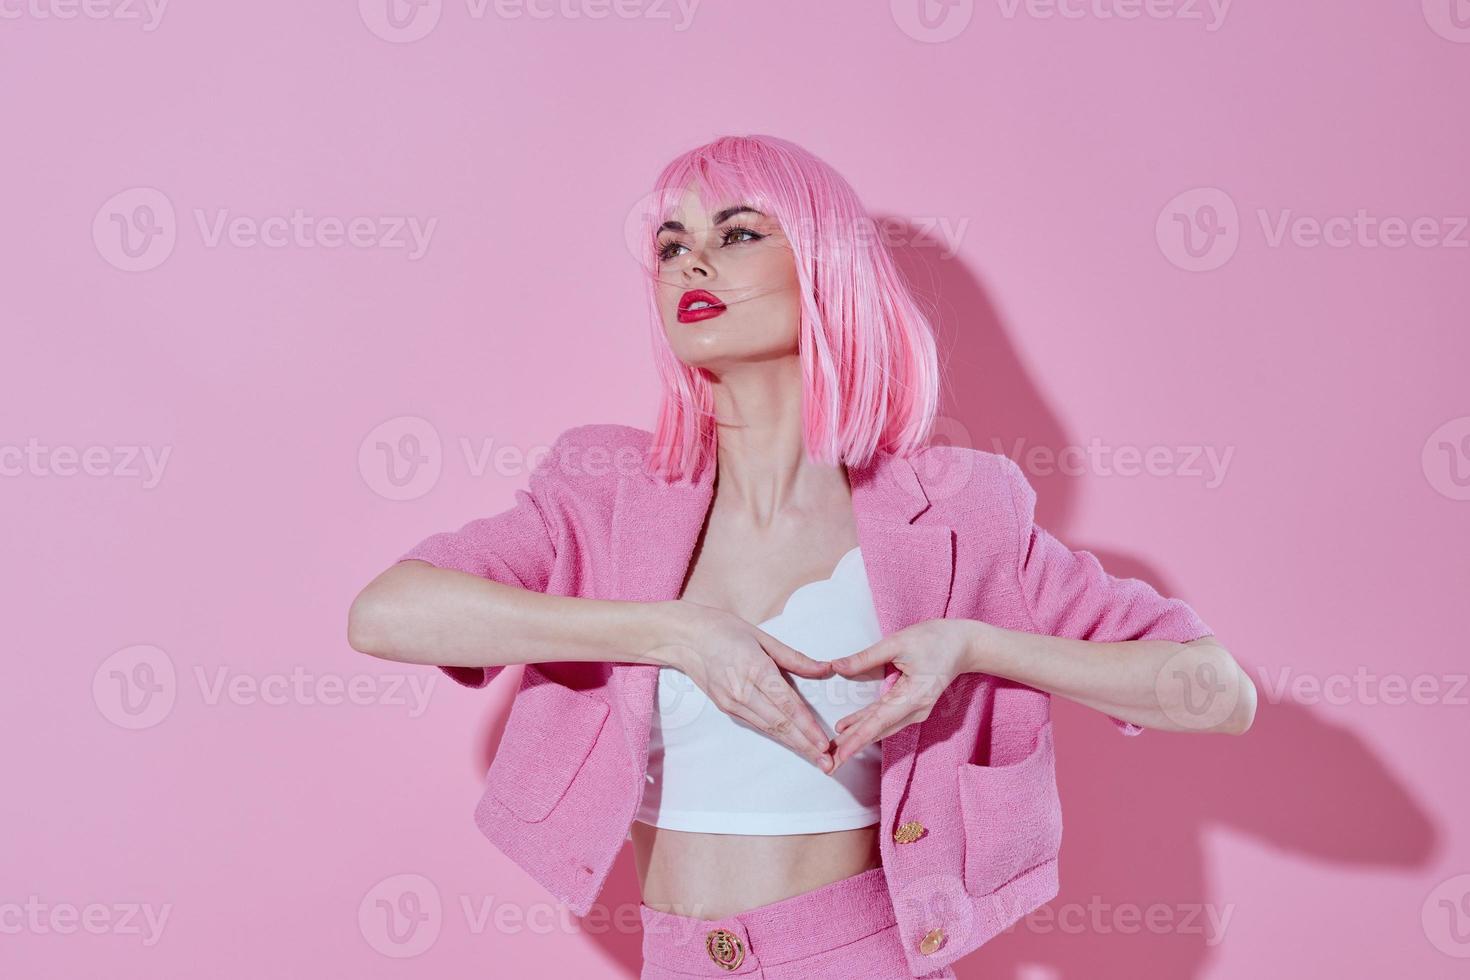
<point>842,931</point>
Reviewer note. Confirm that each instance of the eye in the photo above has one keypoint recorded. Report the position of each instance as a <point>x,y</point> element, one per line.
<point>731,235</point>
<point>734,235</point>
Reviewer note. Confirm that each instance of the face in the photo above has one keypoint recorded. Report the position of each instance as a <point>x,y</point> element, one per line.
<point>728,289</point>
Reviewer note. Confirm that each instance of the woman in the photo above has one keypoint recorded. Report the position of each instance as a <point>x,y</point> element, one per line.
<point>806,660</point>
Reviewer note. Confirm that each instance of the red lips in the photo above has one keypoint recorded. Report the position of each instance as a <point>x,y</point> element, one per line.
<point>699,304</point>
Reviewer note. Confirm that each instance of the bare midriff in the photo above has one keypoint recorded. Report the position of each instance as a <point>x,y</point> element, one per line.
<point>712,876</point>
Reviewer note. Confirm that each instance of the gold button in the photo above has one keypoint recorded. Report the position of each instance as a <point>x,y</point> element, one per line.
<point>933,939</point>
<point>725,948</point>
<point>909,832</point>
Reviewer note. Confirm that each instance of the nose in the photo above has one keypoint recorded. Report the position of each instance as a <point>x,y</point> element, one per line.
<point>693,266</point>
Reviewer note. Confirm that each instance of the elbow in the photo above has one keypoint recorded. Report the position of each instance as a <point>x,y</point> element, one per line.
<point>1240,688</point>
<point>1214,694</point>
<point>1244,715</point>
<point>366,629</point>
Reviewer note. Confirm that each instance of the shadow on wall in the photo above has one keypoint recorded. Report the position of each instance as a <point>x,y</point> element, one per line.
<point>1136,809</point>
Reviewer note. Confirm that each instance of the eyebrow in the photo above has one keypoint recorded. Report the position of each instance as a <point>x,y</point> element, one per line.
<point>720,218</point>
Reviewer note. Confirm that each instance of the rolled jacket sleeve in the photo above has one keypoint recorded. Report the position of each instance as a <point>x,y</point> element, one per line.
<point>514,547</point>
<point>1068,593</point>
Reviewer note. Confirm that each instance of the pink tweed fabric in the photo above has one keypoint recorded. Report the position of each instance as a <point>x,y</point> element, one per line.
<point>948,532</point>
<point>843,931</point>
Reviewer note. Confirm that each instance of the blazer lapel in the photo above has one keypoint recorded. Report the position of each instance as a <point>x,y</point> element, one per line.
<point>910,568</point>
<point>910,571</point>
<point>655,528</point>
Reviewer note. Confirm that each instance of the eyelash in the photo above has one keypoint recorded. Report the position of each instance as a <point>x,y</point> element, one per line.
<point>663,252</point>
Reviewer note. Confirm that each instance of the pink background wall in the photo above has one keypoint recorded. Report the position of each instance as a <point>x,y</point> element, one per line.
<point>1115,218</point>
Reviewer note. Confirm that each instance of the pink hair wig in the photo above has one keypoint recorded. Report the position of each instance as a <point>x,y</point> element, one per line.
<point>870,371</point>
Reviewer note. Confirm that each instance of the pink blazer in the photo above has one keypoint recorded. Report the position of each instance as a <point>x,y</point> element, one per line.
<point>946,532</point>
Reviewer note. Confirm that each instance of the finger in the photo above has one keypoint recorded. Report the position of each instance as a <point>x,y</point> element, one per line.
<point>857,737</point>
<point>791,705</point>
<point>786,710</point>
<point>864,660</point>
<point>794,660</point>
<point>899,725</point>
<point>846,720</point>
<point>841,754</point>
<point>885,712</point>
<point>884,697</point>
<point>765,716</point>
<point>887,718</point>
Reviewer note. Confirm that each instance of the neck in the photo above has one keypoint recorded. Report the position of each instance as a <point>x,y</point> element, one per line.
<point>762,465</point>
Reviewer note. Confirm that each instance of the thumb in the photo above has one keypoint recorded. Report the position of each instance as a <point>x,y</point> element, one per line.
<point>863,661</point>
<point>795,661</point>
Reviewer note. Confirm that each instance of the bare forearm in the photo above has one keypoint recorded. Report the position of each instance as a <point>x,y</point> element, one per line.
<point>417,613</point>
<point>1124,679</point>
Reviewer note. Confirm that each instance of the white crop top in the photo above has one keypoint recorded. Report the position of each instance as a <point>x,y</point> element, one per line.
<point>712,773</point>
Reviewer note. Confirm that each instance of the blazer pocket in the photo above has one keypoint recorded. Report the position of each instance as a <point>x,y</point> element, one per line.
<point>1012,816</point>
<point>550,732</point>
